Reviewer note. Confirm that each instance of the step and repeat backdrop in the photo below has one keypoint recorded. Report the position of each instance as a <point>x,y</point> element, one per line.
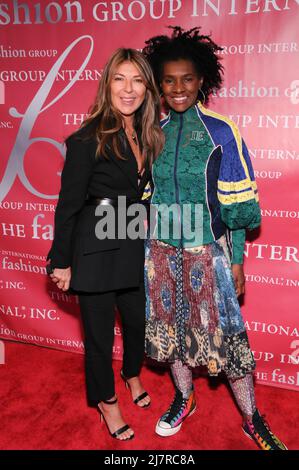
<point>51,56</point>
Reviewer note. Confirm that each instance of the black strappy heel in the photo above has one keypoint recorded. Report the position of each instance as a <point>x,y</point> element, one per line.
<point>140,397</point>
<point>119,431</point>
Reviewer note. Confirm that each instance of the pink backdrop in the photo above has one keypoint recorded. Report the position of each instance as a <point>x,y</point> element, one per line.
<point>51,59</point>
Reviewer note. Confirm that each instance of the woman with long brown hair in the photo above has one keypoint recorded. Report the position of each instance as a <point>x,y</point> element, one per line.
<point>108,157</point>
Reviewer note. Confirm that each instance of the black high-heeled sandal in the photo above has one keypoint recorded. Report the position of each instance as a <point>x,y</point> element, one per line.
<point>140,397</point>
<point>119,431</point>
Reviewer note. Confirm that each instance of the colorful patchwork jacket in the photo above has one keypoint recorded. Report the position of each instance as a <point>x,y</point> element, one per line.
<point>204,168</point>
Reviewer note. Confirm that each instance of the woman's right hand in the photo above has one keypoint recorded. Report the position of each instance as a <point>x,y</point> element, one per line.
<point>62,278</point>
<point>239,278</point>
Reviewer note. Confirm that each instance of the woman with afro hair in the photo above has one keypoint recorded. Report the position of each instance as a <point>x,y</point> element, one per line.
<point>203,180</point>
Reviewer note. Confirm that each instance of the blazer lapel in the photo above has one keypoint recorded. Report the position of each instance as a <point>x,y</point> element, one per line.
<point>129,165</point>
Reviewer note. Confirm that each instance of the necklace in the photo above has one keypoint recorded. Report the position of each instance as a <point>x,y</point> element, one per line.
<point>134,137</point>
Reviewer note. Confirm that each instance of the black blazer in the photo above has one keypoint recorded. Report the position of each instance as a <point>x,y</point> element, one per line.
<point>97,265</point>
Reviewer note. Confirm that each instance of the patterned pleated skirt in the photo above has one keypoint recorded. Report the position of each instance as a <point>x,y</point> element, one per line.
<point>192,310</point>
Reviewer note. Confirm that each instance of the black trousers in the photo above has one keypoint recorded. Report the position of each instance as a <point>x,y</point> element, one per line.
<point>98,316</point>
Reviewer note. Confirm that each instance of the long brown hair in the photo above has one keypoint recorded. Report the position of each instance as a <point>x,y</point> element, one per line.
<point>108,120</point>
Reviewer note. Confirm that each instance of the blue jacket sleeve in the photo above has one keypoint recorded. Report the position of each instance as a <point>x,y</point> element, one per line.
<point>237,190</point>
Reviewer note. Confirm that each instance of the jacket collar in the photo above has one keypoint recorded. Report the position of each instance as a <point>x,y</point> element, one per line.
<point>190,115</point>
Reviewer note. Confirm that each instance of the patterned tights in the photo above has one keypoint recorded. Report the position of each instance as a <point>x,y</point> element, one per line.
<point>182,377</point>
<point>243,391</point>
<point>242,388</point>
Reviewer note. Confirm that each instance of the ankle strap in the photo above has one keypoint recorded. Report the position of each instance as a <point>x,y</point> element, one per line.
<point>110,402</point>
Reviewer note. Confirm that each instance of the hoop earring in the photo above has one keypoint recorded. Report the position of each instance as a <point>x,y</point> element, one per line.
<point>203,95</point>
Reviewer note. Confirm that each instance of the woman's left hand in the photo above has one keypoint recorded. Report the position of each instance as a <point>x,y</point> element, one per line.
<point>62,278</point>
<point>239,278</point>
